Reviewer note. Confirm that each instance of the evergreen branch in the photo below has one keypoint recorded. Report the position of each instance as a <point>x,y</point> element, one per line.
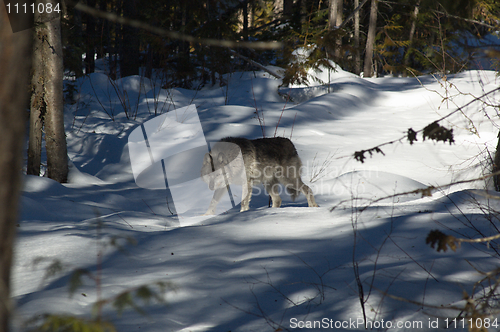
<point>112,17</point>
<point>445,13</point>
<point>128,298</point>
<point>56,322</point>
<point>466,19</point>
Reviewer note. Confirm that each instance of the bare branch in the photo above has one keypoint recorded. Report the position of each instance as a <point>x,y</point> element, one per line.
<point>350,17</point>
<point>112,17</point>
<point>359,155</point>
<point>424,191</point>
<point>466,19</point>
<point>420,304</point>
<point>256,64</point>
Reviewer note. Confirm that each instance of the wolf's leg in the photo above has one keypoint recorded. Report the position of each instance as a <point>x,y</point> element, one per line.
<point>295,186</point>
<point>293,182</point>
<point>272,189</point>
<point>215,200</point>
<point>275,196</point>
<point>245,202</point>
<point>309,195</point>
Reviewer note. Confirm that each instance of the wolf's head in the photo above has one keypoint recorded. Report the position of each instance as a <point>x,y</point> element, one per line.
<point>223,166</point>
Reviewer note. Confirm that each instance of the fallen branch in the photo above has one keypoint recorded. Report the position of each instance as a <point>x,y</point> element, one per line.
<point>256,64</point>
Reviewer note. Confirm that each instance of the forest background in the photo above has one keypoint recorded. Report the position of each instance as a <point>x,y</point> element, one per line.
<point>406,37</point>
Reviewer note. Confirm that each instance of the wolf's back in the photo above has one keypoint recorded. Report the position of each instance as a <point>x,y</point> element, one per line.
<point>278,150</point>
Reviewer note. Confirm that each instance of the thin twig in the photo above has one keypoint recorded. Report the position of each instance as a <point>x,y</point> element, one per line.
<point>459,109</point>
<point>424,191</point>
<point>256,64</point>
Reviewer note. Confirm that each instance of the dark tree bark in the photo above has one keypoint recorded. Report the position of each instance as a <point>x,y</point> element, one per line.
<point>283,9</point>
<point>37,107</point>
<point>245,22</point>
<point>412,33</point>
<point>91,37</point>
<point>338,40</point>
<point>47,107</point>
<point>102,34</point>
<point>357,53</point>
<point>287,9</point>
<point>55,137</point>
<point>115,46</point>
<point>496,166</point>
<point>129,56</point>
<point>15,62</point>
<point>370,40</point>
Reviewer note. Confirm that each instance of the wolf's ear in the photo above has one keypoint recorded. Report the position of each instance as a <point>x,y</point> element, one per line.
<point>221,158</point>
<point>206,159</point>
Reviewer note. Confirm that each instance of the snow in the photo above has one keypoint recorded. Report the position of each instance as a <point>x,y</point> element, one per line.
<point>267,268</point>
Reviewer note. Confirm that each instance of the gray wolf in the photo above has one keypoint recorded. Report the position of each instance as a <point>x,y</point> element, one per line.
<point>269,161</point>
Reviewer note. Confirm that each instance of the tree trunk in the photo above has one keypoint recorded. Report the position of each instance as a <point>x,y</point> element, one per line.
<point>333,11</point>
<point>115,46</point>
<point>245,22</point>
<point>129,57</point>
<point>55,137</point>
<point>370,40</point>
<point>338,40</point>
<point>78,35</point>
<point>15,62</point>
<point>334,21</point>
<point>47,109</point>
<point>412,33</point>
<point>287,9</point>
<point>91,37</point>
<point>496,166</point>
<point>357,53</point>
<point>102,33</point>
<point>37,107</point>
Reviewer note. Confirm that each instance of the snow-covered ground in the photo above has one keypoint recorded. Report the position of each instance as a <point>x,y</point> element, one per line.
<point>271,269</point>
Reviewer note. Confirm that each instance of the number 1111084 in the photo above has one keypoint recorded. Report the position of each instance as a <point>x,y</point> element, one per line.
<point>471,322</point>
<point>24,8</point>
